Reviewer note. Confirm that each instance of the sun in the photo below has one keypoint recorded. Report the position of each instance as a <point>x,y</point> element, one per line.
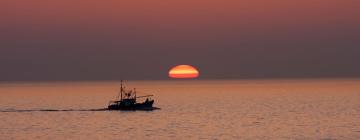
<point>183,71</point>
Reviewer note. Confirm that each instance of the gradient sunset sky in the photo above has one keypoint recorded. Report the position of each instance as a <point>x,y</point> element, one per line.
<point>143,39</point>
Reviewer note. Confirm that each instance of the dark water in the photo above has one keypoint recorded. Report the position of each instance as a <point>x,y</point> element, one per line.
<point>242,109</point>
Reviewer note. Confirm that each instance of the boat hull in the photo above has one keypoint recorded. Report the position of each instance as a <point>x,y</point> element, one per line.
<point>137,106</point>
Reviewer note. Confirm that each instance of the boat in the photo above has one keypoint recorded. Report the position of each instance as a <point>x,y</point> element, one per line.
<point>127,100</point>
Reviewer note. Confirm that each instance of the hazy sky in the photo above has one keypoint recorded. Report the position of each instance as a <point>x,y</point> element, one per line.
<point>143,39</point>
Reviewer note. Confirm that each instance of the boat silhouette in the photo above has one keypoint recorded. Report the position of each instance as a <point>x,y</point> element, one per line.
<point>128,101</point>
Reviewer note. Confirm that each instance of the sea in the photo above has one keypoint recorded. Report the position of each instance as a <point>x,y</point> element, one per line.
<point>280,109</point>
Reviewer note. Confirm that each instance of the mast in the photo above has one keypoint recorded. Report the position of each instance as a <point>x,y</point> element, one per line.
<point>121,90</point>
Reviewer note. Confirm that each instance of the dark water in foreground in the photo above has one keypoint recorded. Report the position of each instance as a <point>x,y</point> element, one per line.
<point>243,109</point>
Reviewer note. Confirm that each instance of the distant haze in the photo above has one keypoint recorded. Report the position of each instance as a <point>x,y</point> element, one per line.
<point>143,39</point>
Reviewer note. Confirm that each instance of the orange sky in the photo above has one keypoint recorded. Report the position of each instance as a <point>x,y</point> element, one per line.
<point>225,38</point>
<point>202,19</point>
<point>170,14</point>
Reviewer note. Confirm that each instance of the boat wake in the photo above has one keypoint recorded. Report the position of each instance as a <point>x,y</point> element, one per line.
<point>52,110</point>
<point>69,110</point>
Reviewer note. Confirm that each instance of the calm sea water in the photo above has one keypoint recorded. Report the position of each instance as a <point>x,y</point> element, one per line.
<point>237,109</point>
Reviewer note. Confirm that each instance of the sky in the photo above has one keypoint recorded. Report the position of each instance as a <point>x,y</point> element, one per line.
<point>142,39</point>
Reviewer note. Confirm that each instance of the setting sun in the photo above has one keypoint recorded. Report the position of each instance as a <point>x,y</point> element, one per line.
<point>183,71</point>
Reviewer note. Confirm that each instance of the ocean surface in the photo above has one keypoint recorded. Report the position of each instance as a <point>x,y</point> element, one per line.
<point>319,109</point>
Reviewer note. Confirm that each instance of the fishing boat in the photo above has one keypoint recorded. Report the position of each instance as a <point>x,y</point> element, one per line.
<point>127,100</point>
